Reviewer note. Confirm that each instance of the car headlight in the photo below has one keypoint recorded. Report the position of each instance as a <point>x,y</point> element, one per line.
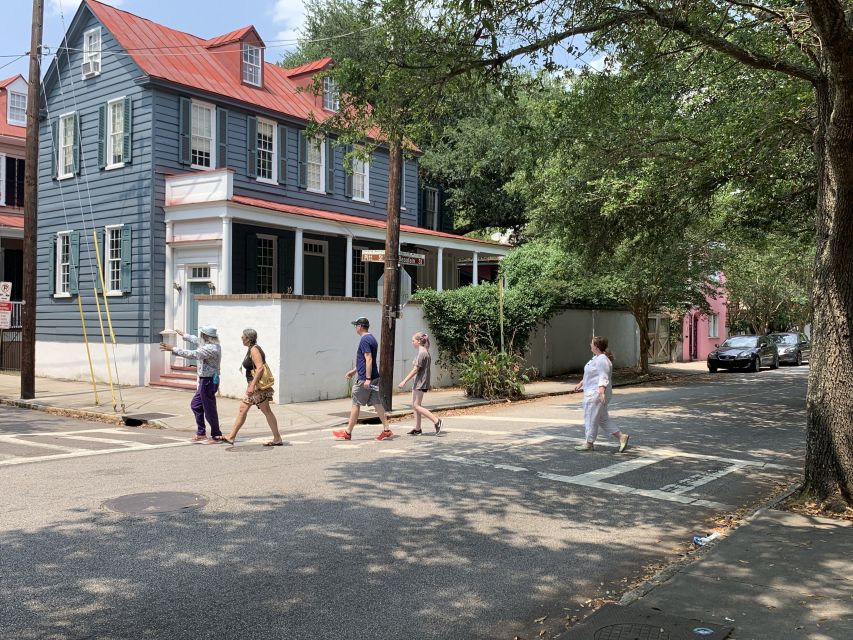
<point>744,354</point>
<point>713,354</point>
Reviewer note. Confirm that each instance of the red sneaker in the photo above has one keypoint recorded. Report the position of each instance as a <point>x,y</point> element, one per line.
<point>342,435</point>
<point>385,435</point>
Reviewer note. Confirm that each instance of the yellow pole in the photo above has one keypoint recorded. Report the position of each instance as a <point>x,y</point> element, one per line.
<point>106,351</point>
<point>106,304</point>
<point>88,350</point>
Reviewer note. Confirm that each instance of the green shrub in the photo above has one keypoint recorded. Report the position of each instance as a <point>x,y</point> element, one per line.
<point>487,373</point>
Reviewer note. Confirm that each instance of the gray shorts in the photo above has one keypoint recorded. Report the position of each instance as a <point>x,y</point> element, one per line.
<point>366,397</point>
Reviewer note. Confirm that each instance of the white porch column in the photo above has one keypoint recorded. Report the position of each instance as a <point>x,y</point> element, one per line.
<point>298,247</point>
<point>348,282</point>
<point>224,286</point>
<point>475,279</point>
<point>439,271</point>
<point>169,311</point>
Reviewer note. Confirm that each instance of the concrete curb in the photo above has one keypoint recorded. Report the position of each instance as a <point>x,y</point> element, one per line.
<point>61,411</point>
<point>668,572</point>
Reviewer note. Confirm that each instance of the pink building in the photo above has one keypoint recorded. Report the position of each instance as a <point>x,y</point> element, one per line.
<point>701,332</point>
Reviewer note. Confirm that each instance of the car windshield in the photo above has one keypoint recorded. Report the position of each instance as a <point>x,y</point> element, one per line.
<point>784,338</point>
<point>741,341</point>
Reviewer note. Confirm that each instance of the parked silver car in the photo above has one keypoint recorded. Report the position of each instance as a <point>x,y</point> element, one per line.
<point>794,347</point>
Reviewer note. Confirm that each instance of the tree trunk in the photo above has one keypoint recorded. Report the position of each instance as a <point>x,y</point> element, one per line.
<point>390,292</point>
<point>641,315</point>
<point>829,442</point>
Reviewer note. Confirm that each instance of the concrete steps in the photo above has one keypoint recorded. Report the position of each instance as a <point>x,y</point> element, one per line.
<point>180,378</point>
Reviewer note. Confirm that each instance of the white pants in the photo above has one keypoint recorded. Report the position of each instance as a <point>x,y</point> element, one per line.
<point>596,416</point>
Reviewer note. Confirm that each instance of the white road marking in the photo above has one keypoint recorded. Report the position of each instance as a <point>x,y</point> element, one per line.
<point>504,419</point>
<point>697,480</point>
<point>95,439</point>
<point>83,453</point>
<point>35,443</point>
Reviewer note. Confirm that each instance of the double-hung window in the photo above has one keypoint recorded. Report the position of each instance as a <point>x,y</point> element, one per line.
<point>203,140</point>
<point>430,213</point>
<point>713,325</point>
<point>331,102</point>
<point>91,53</point>
<point>359,274</point>
<point>360,180</point>
<point>267,159</point>
<point>11,181</point>
<point>115,133</point>
<point>112,259</point>
<point>17,108</point>
<point>267,263</point>
<point>315,164</point>
<point>65,165</point>
<point>252,60</point>
<point>62,286</point>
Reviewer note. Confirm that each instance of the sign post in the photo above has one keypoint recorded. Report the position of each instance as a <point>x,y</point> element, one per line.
<point>5,305</point>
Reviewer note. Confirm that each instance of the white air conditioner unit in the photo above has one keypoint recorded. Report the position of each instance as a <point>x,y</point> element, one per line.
<point>91,68</point>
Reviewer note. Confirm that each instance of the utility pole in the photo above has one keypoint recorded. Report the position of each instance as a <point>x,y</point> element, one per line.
<point>31,166</point>
<point>391,289</point>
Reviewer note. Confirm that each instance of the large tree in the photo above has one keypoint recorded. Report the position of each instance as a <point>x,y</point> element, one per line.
<point>811,42</point>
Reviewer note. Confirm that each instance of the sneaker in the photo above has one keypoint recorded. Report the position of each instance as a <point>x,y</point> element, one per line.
<point>438,427</point>
<point>342,435</point>
<point>199,438</point>
<point>385,435</point>
<point>587,446</point>
<point>415,432</point>
<point>623,442</point>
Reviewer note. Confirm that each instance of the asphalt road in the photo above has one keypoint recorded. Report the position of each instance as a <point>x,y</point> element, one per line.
<point>476,533</point>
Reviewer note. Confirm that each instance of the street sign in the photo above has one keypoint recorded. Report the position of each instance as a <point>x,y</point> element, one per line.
<point>5,291</point>
<point>405,287</point>
<point>406,259</point>
<point>5,315</point>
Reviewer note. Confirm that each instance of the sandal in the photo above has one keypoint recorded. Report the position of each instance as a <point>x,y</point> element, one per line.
<point>227,440</point>
<point>273,443</point>
<point>415,432</point>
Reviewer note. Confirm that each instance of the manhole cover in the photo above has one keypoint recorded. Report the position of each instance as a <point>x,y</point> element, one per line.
<point>613,622</point>
<point>250,448</point>
<point>154,503</point>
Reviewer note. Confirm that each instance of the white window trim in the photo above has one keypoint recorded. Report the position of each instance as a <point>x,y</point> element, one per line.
<point>403,188</point>
<point>2,179</point>
<point>325,244</point>
<point>59,137</point>
<point>274,179</point>
<point>93,56</point>
<point>329,87</point>
<point>713,323</point>
<point>9,117</point>
<point>57,270</point>
<point>366,275</point>
<point>435,220</point>
<point>108,133</point>
<point>244,64</point>
<point>275,265</point>
<point>366,197</point>
<point>322,189</point>
<point>106,258</point>
<point>213,142</point>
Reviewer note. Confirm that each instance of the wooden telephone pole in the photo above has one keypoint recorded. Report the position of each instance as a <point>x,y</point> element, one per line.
<point>391,289</point>
<point>28,330</point>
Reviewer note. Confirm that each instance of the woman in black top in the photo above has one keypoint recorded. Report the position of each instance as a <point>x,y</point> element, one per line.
<point>253,363</point>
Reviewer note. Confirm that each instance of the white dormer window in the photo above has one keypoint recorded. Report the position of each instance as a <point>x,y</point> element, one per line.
<point>330,94</point>
<point>92,53</point>
<point>252,59</point>
<point>17,108</point>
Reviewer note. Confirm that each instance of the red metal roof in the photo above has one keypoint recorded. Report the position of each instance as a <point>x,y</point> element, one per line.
<point>184,59</point>
<point>342,217</point>
<point>6,129</point>
<point>12,220</point>
<point>309,67</point>
<point>234,36</point>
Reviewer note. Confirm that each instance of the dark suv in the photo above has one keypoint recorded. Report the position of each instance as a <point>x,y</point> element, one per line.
<point>793,347</point>
<point>744,352</point>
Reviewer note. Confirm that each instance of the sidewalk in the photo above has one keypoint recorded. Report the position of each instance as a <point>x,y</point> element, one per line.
<point>779,575</point>
<point>170,408</point>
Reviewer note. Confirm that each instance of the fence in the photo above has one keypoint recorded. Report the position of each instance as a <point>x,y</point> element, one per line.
<point>10,341</point>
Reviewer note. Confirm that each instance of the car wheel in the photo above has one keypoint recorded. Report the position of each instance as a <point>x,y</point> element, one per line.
<point>712,368</point>
<point>756,365</point>
<point>775,364</point>
<point>799,358</point>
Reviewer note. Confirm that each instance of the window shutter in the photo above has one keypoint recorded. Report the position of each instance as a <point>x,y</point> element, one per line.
<point>252,146</point>
<point>73,282</point>
<point>54,161</point>
<point>102,136</point>
<point>125,258</point>
<point>301,156</point>
<point>51,269</point>
<point>348,174</point>
<point>75,151</point>
<point>421,206</point>
<point>127,140</point>
<point>330,166</point>
<point>222,137</point>
<point>251,263</point>
<point>185,128</point>
<point>282,155</point>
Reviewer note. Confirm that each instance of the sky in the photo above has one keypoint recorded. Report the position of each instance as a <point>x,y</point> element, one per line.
<point>275,20</point>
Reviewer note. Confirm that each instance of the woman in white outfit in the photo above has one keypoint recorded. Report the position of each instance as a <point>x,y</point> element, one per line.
<point>597,385</point>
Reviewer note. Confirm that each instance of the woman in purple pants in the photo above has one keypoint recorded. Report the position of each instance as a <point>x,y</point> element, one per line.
<point>209,356</point>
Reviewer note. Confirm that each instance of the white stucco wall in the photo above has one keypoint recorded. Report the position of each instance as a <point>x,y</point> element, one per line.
<point>129,364</point>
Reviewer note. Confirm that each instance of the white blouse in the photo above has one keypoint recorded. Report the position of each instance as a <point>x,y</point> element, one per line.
<point>597,373</point>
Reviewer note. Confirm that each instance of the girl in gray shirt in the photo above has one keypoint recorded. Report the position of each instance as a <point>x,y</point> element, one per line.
<point>421,373</point>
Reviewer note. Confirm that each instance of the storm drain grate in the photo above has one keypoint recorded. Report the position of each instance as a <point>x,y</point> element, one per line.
<point>250,448</point>
<point>138,419</point>
<point>156,503</point>
<point>613,622</point>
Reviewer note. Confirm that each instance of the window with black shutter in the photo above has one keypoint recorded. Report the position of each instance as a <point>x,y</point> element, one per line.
<point>14,186</point>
